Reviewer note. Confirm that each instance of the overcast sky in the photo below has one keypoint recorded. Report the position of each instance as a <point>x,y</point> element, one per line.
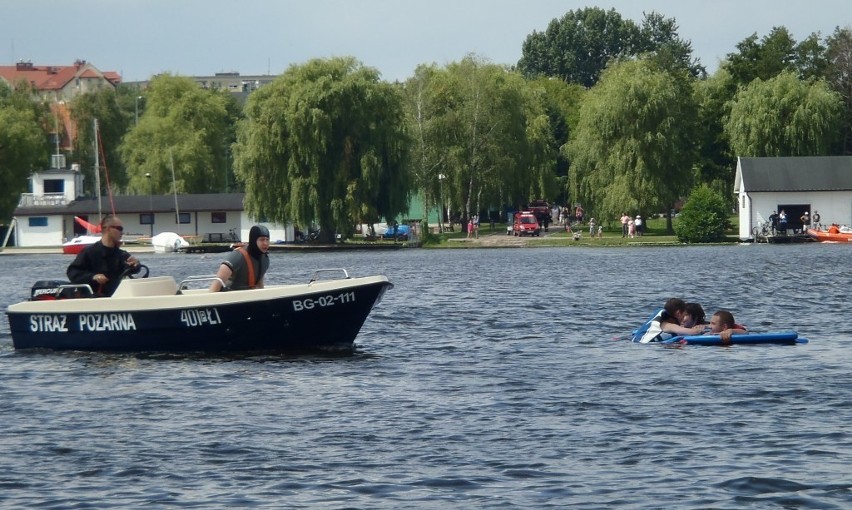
<point>202,37</point>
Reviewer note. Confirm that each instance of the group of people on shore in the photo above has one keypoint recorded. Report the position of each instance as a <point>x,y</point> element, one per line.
<point>778,221</point>
<point>103,264</point>
<point>632,227</point>
<point>679,318</point>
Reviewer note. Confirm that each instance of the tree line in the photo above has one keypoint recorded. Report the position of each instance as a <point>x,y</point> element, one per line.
<point>602,111</point>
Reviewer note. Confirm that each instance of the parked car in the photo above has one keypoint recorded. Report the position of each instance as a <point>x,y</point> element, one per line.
<point>397,232</point>
<point>525,224</point>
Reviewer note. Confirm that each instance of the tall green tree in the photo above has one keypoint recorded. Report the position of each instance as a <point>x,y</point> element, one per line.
<point>633,149</point>
<point>763,58</point>
<point>581,44</point>
<point>775,53</point>
<point>185,129</point>
<point>324,144</point>
<point>23,144</point>
<point>811,58</point>
<point>839,78</point>
<point>659,41</point>
<point>495,136</point>
<point>561,102</point>
<point>784,116</point>
<point>427,160</point>
<point>716,163</point>
<point>578,46</point>
<point>113,123</point>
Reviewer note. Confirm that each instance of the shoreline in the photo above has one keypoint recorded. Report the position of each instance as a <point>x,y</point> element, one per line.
<point>219,248</point>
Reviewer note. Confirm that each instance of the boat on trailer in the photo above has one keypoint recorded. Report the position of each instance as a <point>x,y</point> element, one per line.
<point>158,314</point>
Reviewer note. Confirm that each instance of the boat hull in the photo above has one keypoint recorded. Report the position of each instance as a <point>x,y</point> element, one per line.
<point>826,237</point>
<point>324,315</point>
<point>78,244</point>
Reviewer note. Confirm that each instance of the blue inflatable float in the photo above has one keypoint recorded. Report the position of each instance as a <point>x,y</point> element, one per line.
<point>650,333</point>
<point>778,337</point>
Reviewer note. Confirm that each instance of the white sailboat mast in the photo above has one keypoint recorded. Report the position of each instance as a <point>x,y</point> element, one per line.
<point>97,172</point>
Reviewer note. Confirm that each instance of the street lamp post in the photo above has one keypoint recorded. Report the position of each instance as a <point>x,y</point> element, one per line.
<point>150,200</point>
<point>441,178</point>
<point>137,110</point>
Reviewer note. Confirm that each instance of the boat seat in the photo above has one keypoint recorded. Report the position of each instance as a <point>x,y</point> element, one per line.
<point>189,292</point>
<point>154,286</point>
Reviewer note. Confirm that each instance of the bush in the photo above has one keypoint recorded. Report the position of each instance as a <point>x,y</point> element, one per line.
<point>703,218</point>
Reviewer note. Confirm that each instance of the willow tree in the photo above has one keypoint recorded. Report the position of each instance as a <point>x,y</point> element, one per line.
<point>784,116</point>
<point>428,161</point>
<point>112,125</point>
<point>185,129</point>
<point>633,146</point>
<point>493,135</point>
<point>23,144</point>
<point>839,54</point>
<point>325,145</point>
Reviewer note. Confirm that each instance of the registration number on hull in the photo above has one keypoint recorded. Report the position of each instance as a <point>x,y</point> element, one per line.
<point>323,301</point>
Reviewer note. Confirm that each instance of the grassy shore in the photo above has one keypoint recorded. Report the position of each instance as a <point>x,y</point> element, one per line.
<point>655,235</point>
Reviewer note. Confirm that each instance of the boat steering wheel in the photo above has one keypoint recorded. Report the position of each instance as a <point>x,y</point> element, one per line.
<point>127,273</point>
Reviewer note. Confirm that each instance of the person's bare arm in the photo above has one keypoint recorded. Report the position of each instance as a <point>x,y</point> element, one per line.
<point>675,329</point>
<point>726,335</point>
<point>223,274</point>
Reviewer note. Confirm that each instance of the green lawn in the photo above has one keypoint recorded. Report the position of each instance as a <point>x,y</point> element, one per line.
<point>655,234</point>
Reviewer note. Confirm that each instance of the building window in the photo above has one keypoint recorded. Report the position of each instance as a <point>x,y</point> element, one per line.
<point>218,217</point>
<point>54,185</point>
<point>146,219</point>
<point>184,218</point>
<point>38,221</point>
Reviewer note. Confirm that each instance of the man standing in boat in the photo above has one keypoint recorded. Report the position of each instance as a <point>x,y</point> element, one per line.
<point>102,264</point>
<point>244,267</point>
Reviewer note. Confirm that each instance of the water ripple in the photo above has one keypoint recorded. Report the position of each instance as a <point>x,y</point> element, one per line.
<point>486,378</point>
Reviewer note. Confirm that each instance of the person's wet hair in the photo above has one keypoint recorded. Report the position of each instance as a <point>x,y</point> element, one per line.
<point>696,312</point>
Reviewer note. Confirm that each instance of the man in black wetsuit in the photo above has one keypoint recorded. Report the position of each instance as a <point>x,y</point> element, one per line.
<point>101,264</point>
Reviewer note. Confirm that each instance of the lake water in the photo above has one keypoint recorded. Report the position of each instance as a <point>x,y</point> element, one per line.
<point>485,379</point>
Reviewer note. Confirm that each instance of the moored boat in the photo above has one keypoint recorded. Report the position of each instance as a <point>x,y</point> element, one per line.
<point>831,236</point>
<point>166,242</point>
<point>78,244</point>
<point>157,314</point>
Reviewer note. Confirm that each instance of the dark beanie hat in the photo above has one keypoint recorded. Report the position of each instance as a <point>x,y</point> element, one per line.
<point>256,232</point>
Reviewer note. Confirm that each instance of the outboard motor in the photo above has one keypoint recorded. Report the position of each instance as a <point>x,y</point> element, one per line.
<point>47,290</point>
